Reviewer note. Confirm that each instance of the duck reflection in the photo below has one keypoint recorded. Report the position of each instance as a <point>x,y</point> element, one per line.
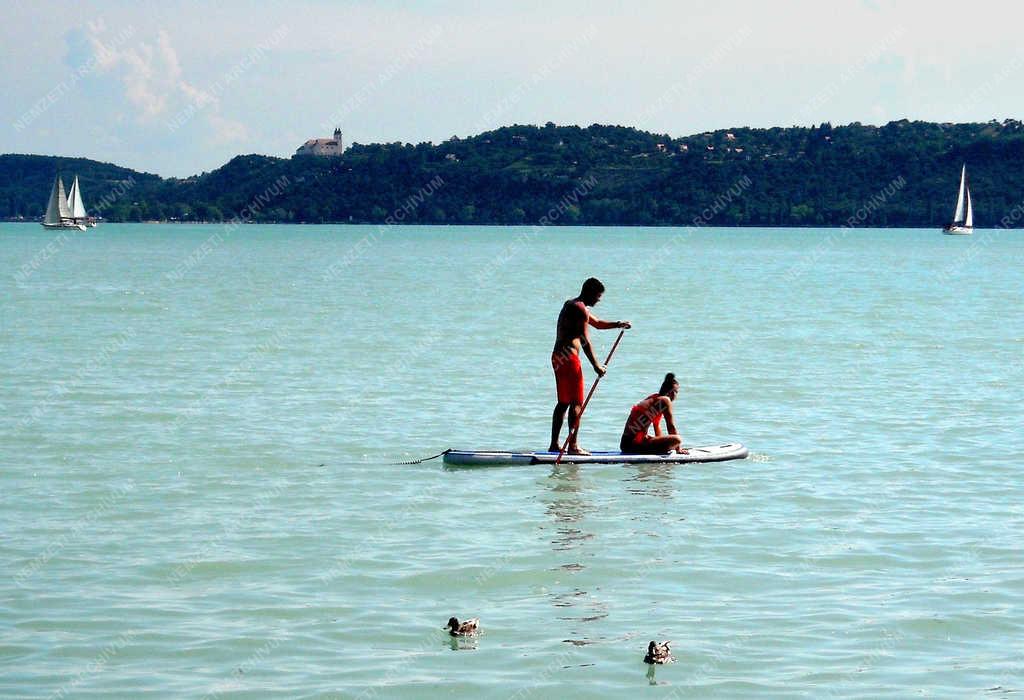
<point>461,643</point>
<point>650,676</point>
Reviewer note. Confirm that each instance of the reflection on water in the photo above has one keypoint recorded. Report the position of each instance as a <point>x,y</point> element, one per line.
<point>572,568</point>
<point>461,643</point>
<point>569,510</point>
<point>576,598</point>
<point>566,598</point>
<point>650,676</point>
<point>652,480</point>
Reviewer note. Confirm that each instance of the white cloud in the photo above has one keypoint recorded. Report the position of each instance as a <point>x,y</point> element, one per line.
<point>154,83</point>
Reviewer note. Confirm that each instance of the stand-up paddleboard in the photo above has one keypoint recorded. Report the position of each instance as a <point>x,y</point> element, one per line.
<point>486,458</point>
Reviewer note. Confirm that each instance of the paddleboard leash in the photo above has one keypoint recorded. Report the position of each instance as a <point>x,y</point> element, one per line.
<point>426,459</point>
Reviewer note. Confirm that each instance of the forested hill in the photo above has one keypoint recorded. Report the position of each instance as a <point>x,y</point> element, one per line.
<point>599,175</point>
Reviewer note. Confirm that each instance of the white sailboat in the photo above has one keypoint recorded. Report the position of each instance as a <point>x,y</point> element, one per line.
<point>58,211</point>
<point>78,207</point>
<point>963,216</point>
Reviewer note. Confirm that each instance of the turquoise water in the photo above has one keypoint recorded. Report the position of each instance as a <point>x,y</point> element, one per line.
<point>198,425</point>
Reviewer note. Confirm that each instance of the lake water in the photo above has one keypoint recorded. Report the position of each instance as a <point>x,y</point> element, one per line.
<point>198,498</point>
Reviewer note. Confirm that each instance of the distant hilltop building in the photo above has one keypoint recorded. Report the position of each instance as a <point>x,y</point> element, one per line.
<point>322,147</point>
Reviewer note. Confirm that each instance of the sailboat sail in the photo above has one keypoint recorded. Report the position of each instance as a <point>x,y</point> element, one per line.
<point>75,201</point>
<point>963,215</point>
<point>958,215</point>
<point>62,200</point>
<point>57,208</point>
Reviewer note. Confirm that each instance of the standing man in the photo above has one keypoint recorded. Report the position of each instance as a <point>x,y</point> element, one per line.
<point>572,336</point>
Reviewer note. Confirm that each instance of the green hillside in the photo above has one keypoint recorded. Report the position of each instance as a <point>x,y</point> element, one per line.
<point>609,174</point>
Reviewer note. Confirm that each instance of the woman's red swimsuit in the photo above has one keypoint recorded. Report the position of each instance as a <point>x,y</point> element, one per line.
<point>640,420</point>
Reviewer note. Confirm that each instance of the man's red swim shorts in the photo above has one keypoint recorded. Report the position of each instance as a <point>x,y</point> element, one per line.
<point>568,377</point>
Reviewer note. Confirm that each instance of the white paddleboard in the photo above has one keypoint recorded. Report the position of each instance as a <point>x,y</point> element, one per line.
<point>489,458</point>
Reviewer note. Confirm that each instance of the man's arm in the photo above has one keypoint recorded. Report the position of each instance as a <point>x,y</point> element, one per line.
<point>605,325</point>
<point>584,336</point>
<point>588,350</point>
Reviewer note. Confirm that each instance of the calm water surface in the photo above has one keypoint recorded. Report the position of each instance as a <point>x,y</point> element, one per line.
<point>198,497</point>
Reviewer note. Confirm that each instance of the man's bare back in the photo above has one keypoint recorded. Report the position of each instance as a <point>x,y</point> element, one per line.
<point>572,324</point>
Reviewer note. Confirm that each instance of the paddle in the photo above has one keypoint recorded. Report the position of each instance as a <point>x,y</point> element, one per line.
<point>574,430</point>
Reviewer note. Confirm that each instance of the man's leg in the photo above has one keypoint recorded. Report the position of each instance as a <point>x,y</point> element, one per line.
<point>556,426</point>
<point>575,411</point>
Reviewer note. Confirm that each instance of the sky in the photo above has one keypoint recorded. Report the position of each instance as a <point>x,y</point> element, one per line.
<point>177,88</point>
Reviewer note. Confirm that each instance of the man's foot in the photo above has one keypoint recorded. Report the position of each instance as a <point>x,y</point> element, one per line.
<point>554,448</point>
<point>577,450</point>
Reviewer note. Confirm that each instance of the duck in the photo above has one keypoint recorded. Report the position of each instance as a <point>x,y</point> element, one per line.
<point>658,653</point>
<point>466,628</point>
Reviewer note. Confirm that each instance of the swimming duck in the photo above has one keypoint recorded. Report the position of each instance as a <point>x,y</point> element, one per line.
<point>658,653</point>
<point>465,628</point>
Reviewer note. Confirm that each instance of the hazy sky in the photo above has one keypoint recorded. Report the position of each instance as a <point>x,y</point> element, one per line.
<point>179,87</point>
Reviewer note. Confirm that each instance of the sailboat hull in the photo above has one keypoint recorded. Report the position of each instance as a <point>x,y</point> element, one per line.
<point>955,230</point>
<point>65,224</point>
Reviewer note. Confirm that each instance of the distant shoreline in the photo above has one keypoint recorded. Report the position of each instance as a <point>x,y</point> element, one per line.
<point>902,174</point>
<point>509,226</point>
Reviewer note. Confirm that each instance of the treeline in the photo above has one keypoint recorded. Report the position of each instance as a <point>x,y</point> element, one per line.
<point>597,175</point>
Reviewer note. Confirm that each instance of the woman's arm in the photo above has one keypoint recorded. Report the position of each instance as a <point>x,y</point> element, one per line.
<point>670,419</point>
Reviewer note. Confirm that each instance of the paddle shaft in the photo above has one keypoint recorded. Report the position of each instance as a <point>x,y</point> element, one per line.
<point>576,428</point>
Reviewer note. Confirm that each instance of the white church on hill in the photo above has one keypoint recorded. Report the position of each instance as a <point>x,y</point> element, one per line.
<point>322,147</point>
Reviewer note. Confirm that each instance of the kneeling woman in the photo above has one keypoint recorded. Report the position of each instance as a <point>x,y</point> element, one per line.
<point>647,413</point>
